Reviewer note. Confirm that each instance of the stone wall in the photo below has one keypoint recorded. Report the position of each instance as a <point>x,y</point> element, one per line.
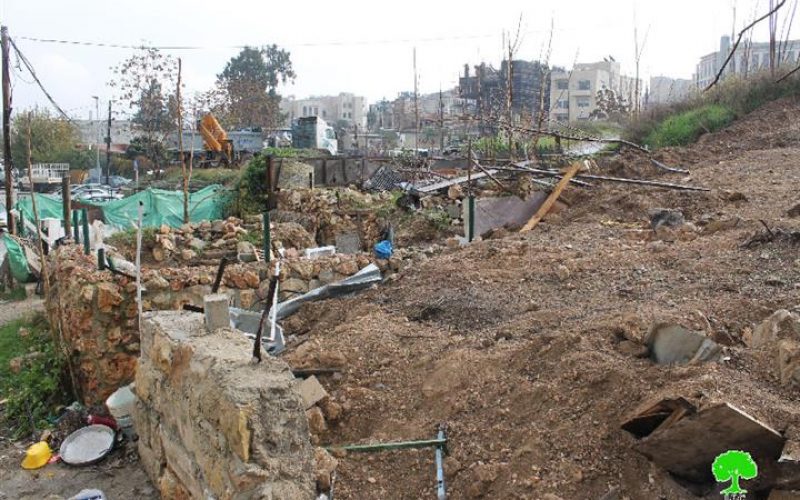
<point>97,315</point>
<point>213,424</point>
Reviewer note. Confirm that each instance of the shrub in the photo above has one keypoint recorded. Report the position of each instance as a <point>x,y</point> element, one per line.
<point>738,96</point>
<point>685,128</point>
<point>35,391</point>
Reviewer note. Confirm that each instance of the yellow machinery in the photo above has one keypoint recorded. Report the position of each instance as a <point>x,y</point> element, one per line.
<point>216,141</point>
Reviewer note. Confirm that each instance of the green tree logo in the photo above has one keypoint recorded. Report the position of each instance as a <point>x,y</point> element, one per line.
<point>732,465</point>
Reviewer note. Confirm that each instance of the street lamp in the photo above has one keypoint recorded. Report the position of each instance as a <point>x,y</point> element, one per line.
<point>97,121</point>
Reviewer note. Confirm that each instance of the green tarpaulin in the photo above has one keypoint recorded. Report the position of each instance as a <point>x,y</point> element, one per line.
<point>17,261</point>
<point>160,207</point>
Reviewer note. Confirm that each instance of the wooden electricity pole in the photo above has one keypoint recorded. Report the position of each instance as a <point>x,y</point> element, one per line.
<point>108,146</point>
<point>416,107</point>
<point>180,149</point>
<point>7,131</point>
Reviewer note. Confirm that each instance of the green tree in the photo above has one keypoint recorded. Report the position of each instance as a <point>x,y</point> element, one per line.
<point>145,85</point>
<point>731,466</point>
<point>246,94</point>
<point>53,140</point>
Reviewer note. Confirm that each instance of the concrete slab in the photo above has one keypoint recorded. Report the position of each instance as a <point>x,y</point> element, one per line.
<point>493,213</point>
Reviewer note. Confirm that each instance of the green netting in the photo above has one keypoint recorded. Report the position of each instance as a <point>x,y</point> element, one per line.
<point>16,259</point>
<point>48,206</point>
<point>160,207</point>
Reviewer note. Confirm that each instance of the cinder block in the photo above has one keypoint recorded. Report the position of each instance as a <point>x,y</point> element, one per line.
<point>311,391</point>
<point>216,311</point>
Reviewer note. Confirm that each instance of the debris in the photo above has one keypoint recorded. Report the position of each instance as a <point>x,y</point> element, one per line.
<point>383,249</point>
<point>673,344</point>
<point>451,182</point>
<point>316,253</point>
<point>89,495</point>
<point>349,243</point>
<point>780,325</point>
<point>359,281</point>
<point>324,466</point>
<point>660,165</point>
<point>506,211</point>
<point>665,217</point>
<point>311,391</point>
<point>794,211</point>
<point>690,443</point>
<point>551,200</point>
<point>216,310</point>
<point>87,445</point>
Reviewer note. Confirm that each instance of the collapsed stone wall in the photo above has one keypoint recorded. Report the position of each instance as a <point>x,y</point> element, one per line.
<point>97,314</point>
<point>213,424</point>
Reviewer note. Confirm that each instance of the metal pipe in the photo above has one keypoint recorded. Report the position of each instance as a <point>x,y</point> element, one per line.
<point>85,223</point>
<point>440,487</point>
<point>267,236</point>
<point>402,445</point>
<point>76,229</point>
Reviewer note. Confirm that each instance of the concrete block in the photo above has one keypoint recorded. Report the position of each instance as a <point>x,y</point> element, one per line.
<point>311,391</point>
<point>216,312</point>
<point>349,243</point>
<point>316,253</point>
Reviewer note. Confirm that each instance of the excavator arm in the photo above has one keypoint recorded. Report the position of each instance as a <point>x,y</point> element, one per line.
<point>215,138</point>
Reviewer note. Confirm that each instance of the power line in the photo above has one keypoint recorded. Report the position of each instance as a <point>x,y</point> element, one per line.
<point>329,43</point>
<point>28,65</point>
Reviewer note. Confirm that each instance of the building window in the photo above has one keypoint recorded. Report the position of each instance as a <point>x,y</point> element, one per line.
<point>324,113</point>
<point>305,110</point>
<point>562,104</point>
<point>584,85</point>
<point>582,102</point>
<point>562,84</point>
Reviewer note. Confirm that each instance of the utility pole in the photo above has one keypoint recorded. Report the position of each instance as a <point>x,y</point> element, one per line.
<point>441,121</point>
<point>108,146</point>
<point>97,126</point>
<point>180,148</point>
<point>416,107</point>
<point>7,131</point>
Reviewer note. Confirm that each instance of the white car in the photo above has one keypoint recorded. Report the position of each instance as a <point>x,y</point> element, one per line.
<point>97,194</point>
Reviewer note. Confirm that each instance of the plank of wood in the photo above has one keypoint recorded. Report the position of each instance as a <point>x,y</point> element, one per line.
<point>551,200</point>
<point>689,446</point>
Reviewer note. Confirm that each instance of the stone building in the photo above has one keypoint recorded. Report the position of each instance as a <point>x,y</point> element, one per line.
<point>666,90</point>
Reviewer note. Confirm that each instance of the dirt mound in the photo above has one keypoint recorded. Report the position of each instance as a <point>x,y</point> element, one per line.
<point>527,346</point>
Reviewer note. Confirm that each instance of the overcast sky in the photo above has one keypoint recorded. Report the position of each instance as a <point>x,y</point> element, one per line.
<point>355,46</point>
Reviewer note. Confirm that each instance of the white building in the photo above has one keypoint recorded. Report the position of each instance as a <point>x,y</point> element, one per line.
<point>573,95</point>
<point>666,90</point>
<point>750,57</point>
<point>346,107</point>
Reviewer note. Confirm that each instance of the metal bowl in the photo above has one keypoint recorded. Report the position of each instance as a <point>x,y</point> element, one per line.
<point>87,445</point>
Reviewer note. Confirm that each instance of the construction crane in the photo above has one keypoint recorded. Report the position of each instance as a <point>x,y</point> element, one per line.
<point>219,148</point>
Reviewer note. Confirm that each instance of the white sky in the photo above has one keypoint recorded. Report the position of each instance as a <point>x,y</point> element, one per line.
<point>353,45</point>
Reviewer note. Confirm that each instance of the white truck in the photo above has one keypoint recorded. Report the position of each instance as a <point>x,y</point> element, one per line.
<point>312,132</point>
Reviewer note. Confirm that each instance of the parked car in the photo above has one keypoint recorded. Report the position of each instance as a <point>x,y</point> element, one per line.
<point>97,194</point>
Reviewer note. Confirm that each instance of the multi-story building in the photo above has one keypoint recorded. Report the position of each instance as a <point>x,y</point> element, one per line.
<point>574,94</point>
<point>345,107</point>
<point>750,57</point>
<point>666,90</point>
<point>488,88</point>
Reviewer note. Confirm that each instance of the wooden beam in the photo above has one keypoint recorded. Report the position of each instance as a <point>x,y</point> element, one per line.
<point>551,200</point>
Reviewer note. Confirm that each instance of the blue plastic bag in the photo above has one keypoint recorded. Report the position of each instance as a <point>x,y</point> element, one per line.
<point>383,249</point>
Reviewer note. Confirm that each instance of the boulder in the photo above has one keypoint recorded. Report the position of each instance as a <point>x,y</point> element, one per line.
<point>781,325</point>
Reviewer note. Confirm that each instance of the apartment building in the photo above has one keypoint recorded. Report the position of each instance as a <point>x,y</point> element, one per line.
<point>345,107</point>
<point>574,95</point>
<point>666,90</point>
<point>750,57</point>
